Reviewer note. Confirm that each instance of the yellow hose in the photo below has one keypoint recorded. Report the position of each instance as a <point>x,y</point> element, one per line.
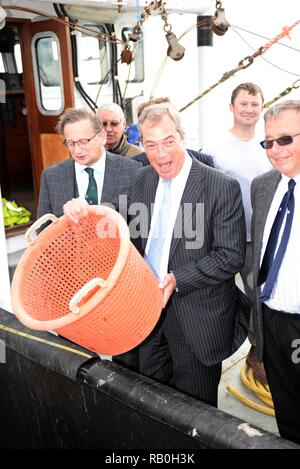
<point>248,402</point>
<point>261,391</point>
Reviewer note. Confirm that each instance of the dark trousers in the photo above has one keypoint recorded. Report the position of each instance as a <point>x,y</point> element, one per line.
<point>282,364</point>
<point>167,357</point>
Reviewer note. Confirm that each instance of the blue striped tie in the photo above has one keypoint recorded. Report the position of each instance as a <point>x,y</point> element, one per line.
<point>270,265</point>
<point>153,257</point>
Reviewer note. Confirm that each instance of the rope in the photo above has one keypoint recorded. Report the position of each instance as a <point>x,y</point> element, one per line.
<point>244,63</point>
<point>294,86</point>
<point>43,341</point>
<point>88,31</point>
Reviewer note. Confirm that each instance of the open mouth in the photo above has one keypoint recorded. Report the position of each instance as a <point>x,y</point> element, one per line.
<point>164,167</point>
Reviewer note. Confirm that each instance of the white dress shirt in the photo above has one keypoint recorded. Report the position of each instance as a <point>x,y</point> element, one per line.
<point>82,177</point>
<point>177,188</point>
<point>242,160</point>
<point>286,292</point>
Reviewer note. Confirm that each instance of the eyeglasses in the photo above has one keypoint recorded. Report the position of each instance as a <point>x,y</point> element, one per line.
<point>282,141</point>
<point>112,123</point>
<point>81,142</point>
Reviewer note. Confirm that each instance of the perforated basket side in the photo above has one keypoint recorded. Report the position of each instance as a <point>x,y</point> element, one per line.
<point>126,316</point>
<point>62,259</point>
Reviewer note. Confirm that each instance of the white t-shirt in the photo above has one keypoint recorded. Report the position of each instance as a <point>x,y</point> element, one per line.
<point>243,160</point>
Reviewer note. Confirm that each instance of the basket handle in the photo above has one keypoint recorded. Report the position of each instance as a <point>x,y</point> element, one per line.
<point>37,225</point>
<point>73,304</point>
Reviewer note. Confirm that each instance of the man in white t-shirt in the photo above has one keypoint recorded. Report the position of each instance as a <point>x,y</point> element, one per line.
<point>237,153</point>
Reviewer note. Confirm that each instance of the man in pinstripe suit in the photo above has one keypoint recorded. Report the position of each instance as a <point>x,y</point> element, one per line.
<point>205,317</point>
<point>85,138</point>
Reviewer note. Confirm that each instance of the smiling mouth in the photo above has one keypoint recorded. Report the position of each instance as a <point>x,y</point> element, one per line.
<point>282,158</point>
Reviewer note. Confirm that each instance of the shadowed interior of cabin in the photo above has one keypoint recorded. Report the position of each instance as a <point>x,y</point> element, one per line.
<point>16,177</point>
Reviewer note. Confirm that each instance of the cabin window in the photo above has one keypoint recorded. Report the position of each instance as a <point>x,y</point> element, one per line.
<point>138,75</point>
<point>92,57</point>
<point>48,73</point>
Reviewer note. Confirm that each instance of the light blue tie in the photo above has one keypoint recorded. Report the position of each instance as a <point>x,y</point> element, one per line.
<point>159,230</point>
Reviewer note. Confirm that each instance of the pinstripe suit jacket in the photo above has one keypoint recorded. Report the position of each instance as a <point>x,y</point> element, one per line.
<point>263,189</point>
<point>58,183</point>
<point>212,311</point>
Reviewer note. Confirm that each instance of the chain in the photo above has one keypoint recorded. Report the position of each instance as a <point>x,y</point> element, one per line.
<point>144,16</point>
<point>164,17</point>
<point>242,65</point>
<point>294,86</point>
<point>245,63</point>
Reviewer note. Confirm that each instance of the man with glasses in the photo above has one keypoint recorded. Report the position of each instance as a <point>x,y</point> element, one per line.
<point>114,123</point>
<point>276,270</point>
<point>91,175</point>
<point>237,153</point>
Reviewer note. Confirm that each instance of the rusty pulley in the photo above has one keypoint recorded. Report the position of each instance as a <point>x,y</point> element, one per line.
<point>175,50</point>
<point>220,24</point>
<point>126,55</point>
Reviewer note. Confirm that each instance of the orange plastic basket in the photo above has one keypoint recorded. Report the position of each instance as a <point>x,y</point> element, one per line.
<point>87,282</point>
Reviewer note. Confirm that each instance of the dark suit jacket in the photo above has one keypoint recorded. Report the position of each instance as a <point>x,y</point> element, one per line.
<point>58,183</point>
<point>212,311</point>
<point>263,189</point>
<point>202,157</point>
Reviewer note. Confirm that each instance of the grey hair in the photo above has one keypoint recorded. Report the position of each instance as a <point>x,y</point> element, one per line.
<point>112,107</point>
<point>156,112</point>
<point>73,115</point>
<point>274,111</point>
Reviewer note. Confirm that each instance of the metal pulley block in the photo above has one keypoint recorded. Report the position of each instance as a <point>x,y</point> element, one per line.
<point>175,50</point>
<point>126,55</point>
<point>220,23</point>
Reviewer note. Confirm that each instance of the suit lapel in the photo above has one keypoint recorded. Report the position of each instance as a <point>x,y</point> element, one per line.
<point>68,180</point>
<point>149,192</point>
<point>111,176</point>
<point>263,203</point>
<point>193,193</point>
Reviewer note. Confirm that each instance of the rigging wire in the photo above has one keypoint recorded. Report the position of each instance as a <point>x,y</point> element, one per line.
<point>263,58</point>
<point>138,20</point>
<point>111,38</point>
<point>245,62</point>
<point>205,22</point>
<point>264,37</point>
<point>234,28</point>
